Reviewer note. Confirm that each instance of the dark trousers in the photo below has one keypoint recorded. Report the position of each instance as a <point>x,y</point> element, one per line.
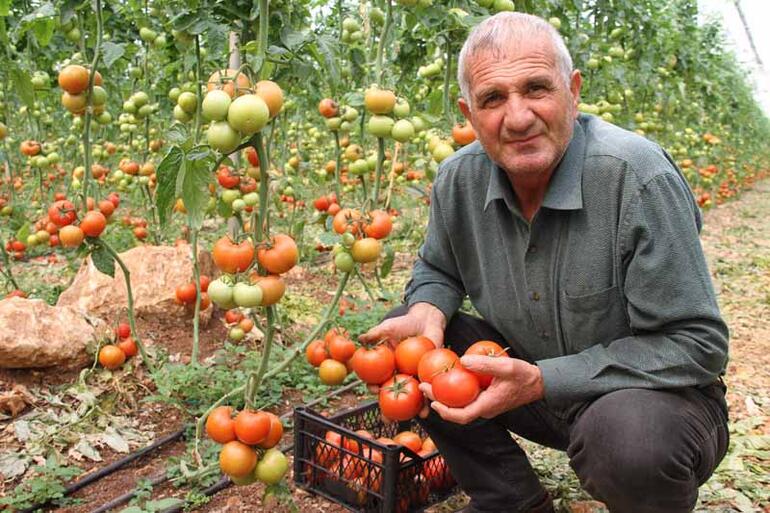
<point>636,450</point>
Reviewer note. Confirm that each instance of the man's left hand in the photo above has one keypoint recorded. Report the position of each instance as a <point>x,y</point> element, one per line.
<point>515,383</point>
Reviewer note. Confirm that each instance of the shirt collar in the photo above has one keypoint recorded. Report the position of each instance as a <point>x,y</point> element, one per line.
<point>565,191</point>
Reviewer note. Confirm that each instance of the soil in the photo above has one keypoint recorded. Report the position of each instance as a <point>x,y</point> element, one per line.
<point>736,239</point>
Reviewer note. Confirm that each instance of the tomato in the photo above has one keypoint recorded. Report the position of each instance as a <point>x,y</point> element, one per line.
<point>74,78</point>
<point>486,348</point>
<point>111,357</point>
<point>231,257</point>
<point>275,433</point>
<point>30,148</point>
<point>221,293</point>
<point>251,154</point>
<point>280,255</point>
<point>333,332</point>
<point>237,459</point>
<point>215,104</point>
<point>366,250</point>
<point>246,325</point>
<point>247,296</point>
<point>106,207</point>
<point>380,225</point>
<point>18,246</point>
<point>75,103</point>
<point>321,204</point>
<point>271,94</point>
<point>62,213</point>
<point>344,262</point>
<point>248,114</point>
<point>374,366</point>
<point>409,439</point>
<point>71,236</point>
<point>186,293</point>
<point>341,348</point>
<point>428,445</point>
<point>273,288</point>
<point>128,346</point>
<point>457,387</point>
<point>233,316</point>
<point>205,281</point>
<point>227,178</point>
<point>140,232</point>
<point>463,134</point>
<point>251,427</point>
<point>332,372</point>
<point>93,223</point>
<point>220,425</point>
<point>272,467</point>
<point>333,209</point>
<point>379,101</point>
<point>435,362</point>
<point>328,108</point>
<point>315,353</point>
<point>222,137</point>
<point>114,199</point>
<point>409,351</point>
<point>123,330</point>
<point>400,398</point>
<point>327,453</point>
<point>347,220</point>
<point>225,80</point>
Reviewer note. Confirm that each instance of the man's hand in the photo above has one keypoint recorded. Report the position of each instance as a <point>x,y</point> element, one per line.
<point>515,384</point>
<point>422,319</point>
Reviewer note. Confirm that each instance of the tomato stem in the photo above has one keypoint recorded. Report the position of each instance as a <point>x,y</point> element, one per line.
<point>381,43</point>
<point>255,380</point>
<point>378,170</point>
<point>338,155</point>
<point>197,278</point>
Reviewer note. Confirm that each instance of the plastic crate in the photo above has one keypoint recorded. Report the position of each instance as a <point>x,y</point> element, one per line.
<point>366,476</point>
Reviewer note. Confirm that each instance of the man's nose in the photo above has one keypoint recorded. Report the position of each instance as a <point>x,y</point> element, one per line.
<point>518,115</point>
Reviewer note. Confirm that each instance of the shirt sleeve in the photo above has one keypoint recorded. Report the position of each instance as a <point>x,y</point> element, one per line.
<point>679,338</point>
<point>435,276</point>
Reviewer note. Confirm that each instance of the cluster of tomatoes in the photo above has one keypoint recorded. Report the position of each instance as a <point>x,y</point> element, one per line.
<point>331,355</point>
<point>360,462</point>
<point>60,225</point>
<point>73,79</point>
<point>242,286</point>
<point>186,294</point>
<point>112,356</point>
<point>248,441</point>
<point>239,325</point>
<point>361,235</point>
<point>240,191</point>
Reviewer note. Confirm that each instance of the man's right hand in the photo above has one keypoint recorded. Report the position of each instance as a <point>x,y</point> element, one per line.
<point>421,319</point>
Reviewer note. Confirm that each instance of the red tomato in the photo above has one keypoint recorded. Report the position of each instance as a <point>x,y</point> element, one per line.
<point>280,255</point>
<point>231,257</point>
<point>227,178</point>
<point>380,225</point>
<point>457,387</point>
<point>435,362</point>
<point>62,213</point>
<point>374,366</point>
<point>486,348</point>
<point>409,352</point>
<point>400,397</point>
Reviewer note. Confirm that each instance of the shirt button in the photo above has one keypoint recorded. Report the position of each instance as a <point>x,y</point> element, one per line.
<point>534,296</point>
<point>544,334</point>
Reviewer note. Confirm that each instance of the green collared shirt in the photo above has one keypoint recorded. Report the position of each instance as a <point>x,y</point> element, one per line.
<point>607,288</point>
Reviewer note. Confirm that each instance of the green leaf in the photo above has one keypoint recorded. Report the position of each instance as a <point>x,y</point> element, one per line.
<point>5,7</point>
<point>22,84</point>
<point>162,504</point>
<point>192,186</point>
<point>177,134</point>
<point>23,233</point>
<point>387,261</point>
<point>167,173</point>
<point>103,260</point>
<point>112,52</point>
<point>293,39</point>
<point>43,30</point>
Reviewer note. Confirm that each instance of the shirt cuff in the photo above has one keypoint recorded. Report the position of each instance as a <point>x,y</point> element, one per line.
<point>441,296</point>
<point>565,379</point>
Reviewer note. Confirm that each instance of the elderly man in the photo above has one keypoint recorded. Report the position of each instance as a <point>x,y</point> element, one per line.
<point>577,242</point>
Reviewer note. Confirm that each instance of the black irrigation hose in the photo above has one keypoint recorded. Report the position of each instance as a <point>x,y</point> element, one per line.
<point>112,467</point>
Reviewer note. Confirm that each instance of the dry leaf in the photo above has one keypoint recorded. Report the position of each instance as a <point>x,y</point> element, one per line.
<point>16,400</point>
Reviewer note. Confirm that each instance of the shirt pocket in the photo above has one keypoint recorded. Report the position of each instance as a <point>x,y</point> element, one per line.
<point>594,318</point>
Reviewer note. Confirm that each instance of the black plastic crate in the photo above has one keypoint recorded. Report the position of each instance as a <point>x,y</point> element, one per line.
<point>362,474</point>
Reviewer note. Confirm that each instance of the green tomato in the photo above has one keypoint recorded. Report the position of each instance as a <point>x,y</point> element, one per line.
<point>503,5</point>
<point>215,105</point>
<point>174,93</point>
<point>222,137</point>
<point>247,296</point>
<point>348,239</point>
<point>147,34</point>
<point>230,195</point>
<point>272,467</point>
<point>129,106</point>
<point>402,130</point>
<point>238,205</point>
<point>334,123</point>
<point>442,151</point>
<point>380,126</point>
<point>188,101</point>
<point>401,109</point>
<point>221,294</point>
<point>236,334</point>
<point>251,199</point>
<point>248,114</point>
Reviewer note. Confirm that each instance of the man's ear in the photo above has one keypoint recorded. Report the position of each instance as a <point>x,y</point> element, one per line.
<point>464,108</point>
<point>576,81</point>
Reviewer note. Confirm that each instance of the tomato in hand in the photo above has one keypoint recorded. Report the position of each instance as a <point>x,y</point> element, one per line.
<point>457,387</point>
<point>435,362</point>
<point>374,366</point>
<point>409,352</point>
<point>400,397</point>
<point>486,348</point>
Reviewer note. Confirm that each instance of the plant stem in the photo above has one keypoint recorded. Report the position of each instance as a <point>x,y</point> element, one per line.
<point>378,170</point>
<point>199,81</point>
<point>129,293</point>
<point>260,230</point>
<point>197,277</point>
<point>366,286</point>
<point>255,380</point>
<point>89,103</point>
<point>264,18</point>
<point>338,154</point>
<point>448,112</point>
<point>381,43</point>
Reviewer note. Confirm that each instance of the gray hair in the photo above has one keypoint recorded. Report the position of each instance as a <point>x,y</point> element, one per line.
<point>493,33</point>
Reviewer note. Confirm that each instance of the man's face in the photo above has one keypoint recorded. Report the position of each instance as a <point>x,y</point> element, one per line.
<point>522,111</point>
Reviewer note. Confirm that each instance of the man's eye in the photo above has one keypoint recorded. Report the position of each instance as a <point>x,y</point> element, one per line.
<point>491,99</point>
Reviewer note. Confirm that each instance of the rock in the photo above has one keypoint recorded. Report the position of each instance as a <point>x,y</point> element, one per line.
<point>35,334</point>
<point>156,272</point>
